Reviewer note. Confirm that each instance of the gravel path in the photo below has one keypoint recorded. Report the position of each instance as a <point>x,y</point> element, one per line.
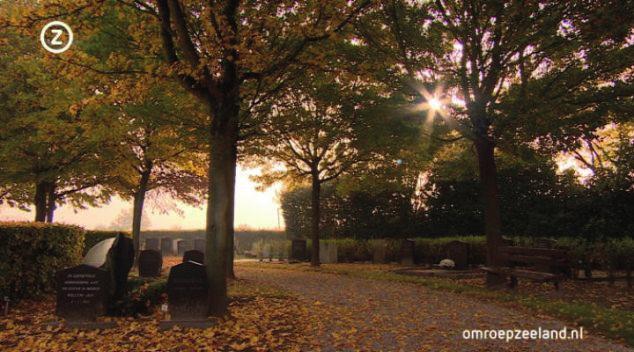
<point>357,314</point>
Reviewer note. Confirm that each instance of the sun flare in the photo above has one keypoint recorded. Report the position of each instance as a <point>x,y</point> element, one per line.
<point>435,104</point>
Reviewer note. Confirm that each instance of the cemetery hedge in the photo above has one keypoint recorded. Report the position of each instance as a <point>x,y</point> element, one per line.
<point>31,253</point>
<point>427,250</point>
<point>94,237</point>
<point>614,253</point>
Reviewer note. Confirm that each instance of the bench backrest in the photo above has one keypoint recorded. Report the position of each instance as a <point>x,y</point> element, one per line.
<point>541,257</point>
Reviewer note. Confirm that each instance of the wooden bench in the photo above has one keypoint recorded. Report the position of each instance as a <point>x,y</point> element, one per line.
<point>536,264</point>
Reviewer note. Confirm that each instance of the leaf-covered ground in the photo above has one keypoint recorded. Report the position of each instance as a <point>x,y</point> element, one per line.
<point>274,309</point>
<point>352,313</point>
<point>261,320</point>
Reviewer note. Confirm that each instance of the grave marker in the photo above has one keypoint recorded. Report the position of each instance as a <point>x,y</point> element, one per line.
<point>194,256</point>
<point>187,290</point>
<point>150,263</point>
<point>379,251</point>
<point>153,244</point>
<point>327,253</point>
<point>167,246</point>
<point>407,252</point>
<point>298,249</point>
<point>82,295</point>
<point>184,246</point>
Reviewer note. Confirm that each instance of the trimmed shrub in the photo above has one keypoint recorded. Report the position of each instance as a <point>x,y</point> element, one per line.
<point>94,237</point>
<point>617,254</point>
<point>31,253</point>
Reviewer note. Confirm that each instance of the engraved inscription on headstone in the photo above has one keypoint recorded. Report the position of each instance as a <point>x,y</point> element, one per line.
<point>82,293</point>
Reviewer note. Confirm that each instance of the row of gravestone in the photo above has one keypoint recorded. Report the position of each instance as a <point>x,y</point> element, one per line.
<point>457,251</point>
<point>169,246</point>
<point>90,289</point>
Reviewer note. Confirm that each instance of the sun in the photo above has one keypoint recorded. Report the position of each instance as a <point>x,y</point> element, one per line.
<point>434,104</point>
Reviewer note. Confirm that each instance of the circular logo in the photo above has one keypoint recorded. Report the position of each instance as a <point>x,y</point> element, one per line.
<point>56,30</point>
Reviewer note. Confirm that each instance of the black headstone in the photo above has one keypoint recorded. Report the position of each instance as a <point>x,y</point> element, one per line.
<point>150,263</point>
<point>458,252</point>
<point>407,252</point>
<point>187,292</point>
<point>298,249</point>
<point>82,293</point>
<point>194,256</point>
<point>123,260</point>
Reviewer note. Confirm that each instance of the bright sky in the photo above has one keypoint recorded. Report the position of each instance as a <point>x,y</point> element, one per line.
<point>254,209</point>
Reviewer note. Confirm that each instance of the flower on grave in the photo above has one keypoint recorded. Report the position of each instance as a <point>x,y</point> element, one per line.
<point>446,263</point>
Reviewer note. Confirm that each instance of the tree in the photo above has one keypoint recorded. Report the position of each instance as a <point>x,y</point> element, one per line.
<point>158,154</point>
<point>231,55</point>
<point>53,135</point>
<point>320,129</point>
<point>489,55</point>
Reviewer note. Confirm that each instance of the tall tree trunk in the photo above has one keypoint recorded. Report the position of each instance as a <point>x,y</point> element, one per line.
<point>315,209</point>
<point>51,200</point>
<point>40,201</point>
<point>231,245</point>
<point>137,211</point>
<point>492,220</point>
<point>220,210</point>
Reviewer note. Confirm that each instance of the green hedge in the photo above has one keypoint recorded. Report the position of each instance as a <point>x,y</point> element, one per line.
<point>31,253</point>
<point>617,254</point>
<point>426,250</point>
<point>94,237</point>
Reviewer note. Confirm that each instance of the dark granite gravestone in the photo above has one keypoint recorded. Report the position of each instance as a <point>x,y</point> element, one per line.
<point>150,263</point>
<point>458,252</point>
<point>82,295</point>
<point>184,246</point>
<point>90,289</point>
<point>167,246</point>
<point>200,244</point>
<point>122,261</point>
<point>407,252</point>
<point>194,256</point>
<point>298,249</point>
<point>379,251</point>
<point>153,244</point>
<point>187,290</point>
